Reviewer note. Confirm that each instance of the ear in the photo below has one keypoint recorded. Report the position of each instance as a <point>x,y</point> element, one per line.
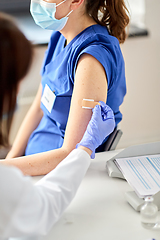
<point>76,4</point>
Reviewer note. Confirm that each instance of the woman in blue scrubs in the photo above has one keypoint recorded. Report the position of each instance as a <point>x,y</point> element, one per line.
<point>83,60</point>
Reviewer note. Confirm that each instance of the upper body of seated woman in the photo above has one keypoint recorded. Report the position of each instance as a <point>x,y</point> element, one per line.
<point>83,60</point>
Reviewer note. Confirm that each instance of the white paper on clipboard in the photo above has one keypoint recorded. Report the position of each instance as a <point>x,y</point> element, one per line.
<point>142,173</point>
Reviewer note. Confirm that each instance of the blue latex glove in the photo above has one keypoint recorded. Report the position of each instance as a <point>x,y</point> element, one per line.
<point>102,123</point>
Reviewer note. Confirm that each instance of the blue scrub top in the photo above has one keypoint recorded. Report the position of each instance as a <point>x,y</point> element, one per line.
<point>58,73</point>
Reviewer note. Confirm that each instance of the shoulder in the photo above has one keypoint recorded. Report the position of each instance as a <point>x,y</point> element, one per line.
<point>97,41</point>
<point>103,47</point>
<point>97,35</point>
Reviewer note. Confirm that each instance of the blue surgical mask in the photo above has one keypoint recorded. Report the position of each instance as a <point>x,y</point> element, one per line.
<point>43,14</point>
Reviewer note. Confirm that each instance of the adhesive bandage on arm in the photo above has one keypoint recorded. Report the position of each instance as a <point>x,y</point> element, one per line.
<point>89,103</point>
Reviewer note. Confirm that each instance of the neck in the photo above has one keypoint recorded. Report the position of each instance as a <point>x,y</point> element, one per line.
<point>74,27</point>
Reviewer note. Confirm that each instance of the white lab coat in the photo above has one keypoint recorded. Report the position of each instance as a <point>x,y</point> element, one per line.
<point>31,210</point>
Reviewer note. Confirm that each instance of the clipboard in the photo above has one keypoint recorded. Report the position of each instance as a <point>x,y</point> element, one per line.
<point>133,151</point>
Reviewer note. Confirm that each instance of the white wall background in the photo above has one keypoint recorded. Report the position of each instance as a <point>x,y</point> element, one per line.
<point>141,107</point>
<point>137,9</point>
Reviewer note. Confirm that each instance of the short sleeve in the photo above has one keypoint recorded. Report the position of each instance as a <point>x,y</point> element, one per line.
<point>103,55</point>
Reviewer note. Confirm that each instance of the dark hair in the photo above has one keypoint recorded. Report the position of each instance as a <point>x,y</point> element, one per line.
<point>15,59</point>
<point>110,13</point>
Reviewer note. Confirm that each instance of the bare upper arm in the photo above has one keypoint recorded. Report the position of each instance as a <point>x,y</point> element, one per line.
<point>91,83</point>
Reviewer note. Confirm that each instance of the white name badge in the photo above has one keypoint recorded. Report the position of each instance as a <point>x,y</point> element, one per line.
<point>48,98</point>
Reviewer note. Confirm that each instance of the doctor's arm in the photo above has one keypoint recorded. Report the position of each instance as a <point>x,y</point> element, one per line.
<point>31,210</point>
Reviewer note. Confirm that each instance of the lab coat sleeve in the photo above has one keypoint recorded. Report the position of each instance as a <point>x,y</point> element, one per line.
<point>31,210</point>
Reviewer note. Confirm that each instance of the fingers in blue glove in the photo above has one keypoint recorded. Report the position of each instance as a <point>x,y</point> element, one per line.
<point>96,111</point>
<point>107,112</point>
<point>101,124</point>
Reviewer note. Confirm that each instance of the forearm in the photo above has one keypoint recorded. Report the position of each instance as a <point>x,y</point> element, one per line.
<point>38,164</point>
<point>29,124</point>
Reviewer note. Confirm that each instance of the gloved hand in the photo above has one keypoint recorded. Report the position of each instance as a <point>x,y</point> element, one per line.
<point>102,123</point>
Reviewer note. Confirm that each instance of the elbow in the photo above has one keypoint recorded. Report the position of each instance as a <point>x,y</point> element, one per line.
<point>68,147</point>
<point>66,150</point>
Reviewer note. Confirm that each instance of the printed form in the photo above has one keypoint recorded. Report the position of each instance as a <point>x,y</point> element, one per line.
<point>142,173</point>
